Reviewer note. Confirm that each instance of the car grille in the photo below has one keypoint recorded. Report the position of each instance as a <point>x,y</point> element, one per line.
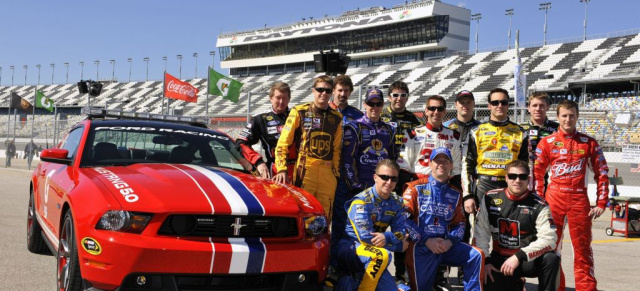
<point>229,226</point>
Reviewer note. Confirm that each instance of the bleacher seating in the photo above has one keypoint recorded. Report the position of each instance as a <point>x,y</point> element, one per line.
<point>549,66</point>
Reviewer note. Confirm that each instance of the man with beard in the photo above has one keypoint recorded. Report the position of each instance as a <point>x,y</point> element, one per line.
<point>315,130</point>
<point>266,128</point>
<point>343,87</point>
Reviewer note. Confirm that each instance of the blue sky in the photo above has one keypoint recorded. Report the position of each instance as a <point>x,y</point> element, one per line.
<point>44,32</point>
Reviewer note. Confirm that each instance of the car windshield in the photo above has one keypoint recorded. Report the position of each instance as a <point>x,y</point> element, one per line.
<point>127,145</point>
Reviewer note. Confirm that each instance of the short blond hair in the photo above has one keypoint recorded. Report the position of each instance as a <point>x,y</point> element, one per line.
<point>541,96</point>
<point>323,79</point>
<point>281,87</point>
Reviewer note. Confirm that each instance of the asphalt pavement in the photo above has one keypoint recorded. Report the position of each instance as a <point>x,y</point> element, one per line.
<point>617,258</point>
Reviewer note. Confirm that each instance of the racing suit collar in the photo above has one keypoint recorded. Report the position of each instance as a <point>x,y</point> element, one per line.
<point>437,183</point>
<point>432,128</point>
<point>544,124</point>
<point>514,197</point>
<point>398,114</point>
<point>568,135</point>
<point>468,123</point>
<point>375,193</point>
<point>499,123</point>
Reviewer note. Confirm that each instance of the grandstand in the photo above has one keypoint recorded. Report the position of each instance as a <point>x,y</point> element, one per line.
<point>601,72</point>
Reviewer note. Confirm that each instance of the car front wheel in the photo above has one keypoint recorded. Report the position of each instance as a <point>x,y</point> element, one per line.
<point>69,278</point>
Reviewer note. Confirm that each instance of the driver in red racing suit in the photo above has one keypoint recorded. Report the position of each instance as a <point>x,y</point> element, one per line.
<point>568,153</point>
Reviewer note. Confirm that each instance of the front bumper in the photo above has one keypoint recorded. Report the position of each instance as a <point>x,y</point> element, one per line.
<point>202,261</point>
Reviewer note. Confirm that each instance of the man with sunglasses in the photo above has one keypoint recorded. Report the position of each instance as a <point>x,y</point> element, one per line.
<point>265,128</point>
<point>523,233</point>
<point>403,120</point>
<point>492,146</point>
<point>367,140</point>
<point>343,87</point>
<point>315,130</point>
<point>568,154</point>
<point>434,207</point>
<point>366,249</point>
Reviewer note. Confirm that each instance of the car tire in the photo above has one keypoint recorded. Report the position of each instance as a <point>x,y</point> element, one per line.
<point>68,270</point>
<point>35,241</point>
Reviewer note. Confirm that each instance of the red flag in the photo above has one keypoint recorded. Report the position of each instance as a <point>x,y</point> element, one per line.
<point>176,89</point>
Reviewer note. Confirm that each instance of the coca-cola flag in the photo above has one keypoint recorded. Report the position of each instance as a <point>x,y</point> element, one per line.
<point>176,89</point>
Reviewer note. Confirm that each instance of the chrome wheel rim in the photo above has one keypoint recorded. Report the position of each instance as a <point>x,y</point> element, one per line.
<point>64,256</point>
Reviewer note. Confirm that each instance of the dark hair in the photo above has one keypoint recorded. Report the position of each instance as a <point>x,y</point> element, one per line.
<point>568,104</point>
<point>343,80</point>
<point>497,90</point>
<point>323,79</point>
<point>540,95</point>
<point>518,164</point>
<point>388,163</point>
<point>436,97</point>
<point>280,86</point>
<point>398,85</point>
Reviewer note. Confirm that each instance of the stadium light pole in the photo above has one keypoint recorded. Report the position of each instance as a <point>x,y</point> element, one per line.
<point>38,66</point>
<point>67,76</point>
<point>586,3</point>
<point>113,69</point>
<point>146,59</point>
<point>213,58</point>
<point>165,63</point>
<point>97,62</point>
<point>81,70</point>
<point>12,68</point>
<point>180,59</point>
<point>477,18</point>
<point>509,12</point>
<point>545,7</point>
<point>195,55</point>
<point>130,60</point>
<point>53,70</point>
<point>25,67</point>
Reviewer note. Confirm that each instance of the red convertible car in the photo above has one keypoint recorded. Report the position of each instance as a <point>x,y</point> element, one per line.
<point>127,204</point>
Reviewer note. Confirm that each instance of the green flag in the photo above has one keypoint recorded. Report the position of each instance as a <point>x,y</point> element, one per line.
<point>43,102</point>
<point>224,86</point>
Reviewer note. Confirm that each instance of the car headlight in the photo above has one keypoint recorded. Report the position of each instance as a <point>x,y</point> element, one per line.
<point>124,221</point>
<point>315,225</point>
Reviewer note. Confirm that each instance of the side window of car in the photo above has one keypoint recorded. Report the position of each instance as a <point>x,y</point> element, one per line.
<point>72,142</point>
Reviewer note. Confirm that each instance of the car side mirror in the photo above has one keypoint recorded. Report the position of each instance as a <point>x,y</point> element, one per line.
<point>57,156</point>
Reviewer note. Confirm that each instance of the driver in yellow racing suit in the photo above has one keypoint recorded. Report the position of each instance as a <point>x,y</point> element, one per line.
<point>316,131</point>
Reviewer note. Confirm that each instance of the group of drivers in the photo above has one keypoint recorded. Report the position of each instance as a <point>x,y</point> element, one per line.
<point>355,162</point>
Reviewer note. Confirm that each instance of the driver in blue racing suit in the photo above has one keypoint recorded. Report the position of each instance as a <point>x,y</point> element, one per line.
<point>434,207</point>
<point>368,247</point>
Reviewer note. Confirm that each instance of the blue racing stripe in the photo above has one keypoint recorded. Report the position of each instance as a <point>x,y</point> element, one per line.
<point>252,202</point>
<point>257,253</point>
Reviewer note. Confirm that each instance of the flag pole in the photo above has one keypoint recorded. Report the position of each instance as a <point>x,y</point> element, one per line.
<point>206,104</point>
<point>55,122</point>
<point>9,116</point>
<point>33,112</point>
<point>164,86</point>
<point>15,118</point>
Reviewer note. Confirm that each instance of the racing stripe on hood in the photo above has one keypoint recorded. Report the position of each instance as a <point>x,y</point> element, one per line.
<point>230,184</point>
<point>199,187</point>
<point>220,203</point>
<point>235,200</point>
<point>248,255</point>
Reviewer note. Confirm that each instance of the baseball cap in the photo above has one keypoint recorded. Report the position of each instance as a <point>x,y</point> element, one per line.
<point>464,93</point>
<point>372,94</point>
<point>441,150</point>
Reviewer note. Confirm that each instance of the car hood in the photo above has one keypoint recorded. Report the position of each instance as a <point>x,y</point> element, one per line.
<point>181,188</point>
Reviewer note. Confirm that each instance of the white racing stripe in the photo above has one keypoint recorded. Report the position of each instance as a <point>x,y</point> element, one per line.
<point>48,232</point>
<point>213,255</point>
<point>239,256</point>
<point>197,184</point>
<point>238,206</point>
